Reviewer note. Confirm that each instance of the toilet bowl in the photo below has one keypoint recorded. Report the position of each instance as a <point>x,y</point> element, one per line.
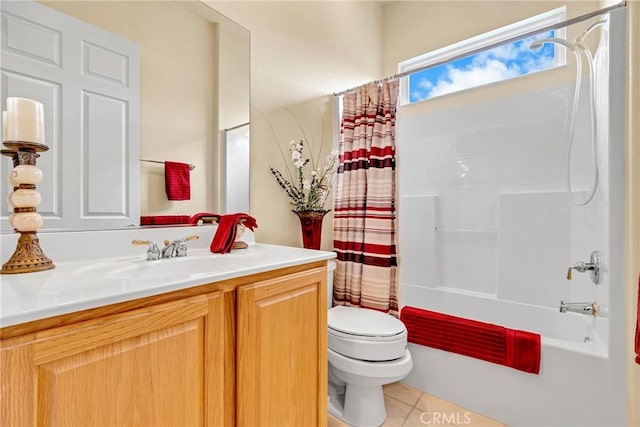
<point>367,349</point>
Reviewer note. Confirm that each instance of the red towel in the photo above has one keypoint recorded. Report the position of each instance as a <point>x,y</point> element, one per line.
<point>164,219</point>
<point>493,343</point>
<point>226,232</point>
<point>176,181</point>
<point>637,342</point>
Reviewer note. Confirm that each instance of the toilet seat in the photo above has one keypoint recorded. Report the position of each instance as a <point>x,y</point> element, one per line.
<point>364,334</point>
<point>363,322</point>
<point>399,367</point>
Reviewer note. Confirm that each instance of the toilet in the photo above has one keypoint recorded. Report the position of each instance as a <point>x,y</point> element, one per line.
<point>367,349</point>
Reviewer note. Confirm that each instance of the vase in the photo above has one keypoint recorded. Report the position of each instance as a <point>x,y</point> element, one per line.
<point>311,224</point>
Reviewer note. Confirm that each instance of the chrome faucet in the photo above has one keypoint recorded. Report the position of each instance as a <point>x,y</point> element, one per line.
<point>592,266</point>
<point>580,307</point>
<point>177,248</point>
<point>153,252</point>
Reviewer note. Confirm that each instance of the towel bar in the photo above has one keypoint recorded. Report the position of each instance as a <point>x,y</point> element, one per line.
<point>191,167</point>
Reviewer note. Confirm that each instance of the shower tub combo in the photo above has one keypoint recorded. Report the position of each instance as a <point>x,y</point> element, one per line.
<point>488,229</point>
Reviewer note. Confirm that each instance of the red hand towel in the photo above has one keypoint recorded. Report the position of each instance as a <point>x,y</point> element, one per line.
<point>176,180</point>
<point>226,232</point>
<point>637,342</point>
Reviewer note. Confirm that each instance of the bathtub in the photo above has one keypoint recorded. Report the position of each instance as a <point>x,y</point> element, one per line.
<point>574,386</point>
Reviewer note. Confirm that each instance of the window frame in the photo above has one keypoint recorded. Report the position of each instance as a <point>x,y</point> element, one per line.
<point>490,38</point>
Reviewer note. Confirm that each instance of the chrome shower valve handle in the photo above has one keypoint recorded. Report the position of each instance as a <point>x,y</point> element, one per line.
<point>593,266</point>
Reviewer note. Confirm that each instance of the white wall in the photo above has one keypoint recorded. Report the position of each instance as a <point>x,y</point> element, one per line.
<point>301,52</point>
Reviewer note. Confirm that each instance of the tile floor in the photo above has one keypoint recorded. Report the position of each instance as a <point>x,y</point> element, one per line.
<point>408,407</point>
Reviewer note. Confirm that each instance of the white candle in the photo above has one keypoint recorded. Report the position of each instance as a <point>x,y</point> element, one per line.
<point>25,120</point>
<point>4,126</point>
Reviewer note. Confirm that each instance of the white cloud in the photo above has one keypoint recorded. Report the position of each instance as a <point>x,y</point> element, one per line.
<point>425,84</point>
<point>535,63</point>
<point>478,74</point>
<point>418,96</point>
<point>505,53</point>
<point>500,63</point>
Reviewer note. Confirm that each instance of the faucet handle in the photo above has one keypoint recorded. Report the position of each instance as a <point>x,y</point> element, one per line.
<point>593,267</point>
<point>140,242</point>
<point>153,252</point>
<point>186,239</point>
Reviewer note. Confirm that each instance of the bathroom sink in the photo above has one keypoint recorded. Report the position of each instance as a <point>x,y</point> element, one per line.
<point>204,263</point>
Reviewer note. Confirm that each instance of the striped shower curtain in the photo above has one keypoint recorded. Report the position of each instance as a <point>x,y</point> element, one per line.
<point>365,203</point>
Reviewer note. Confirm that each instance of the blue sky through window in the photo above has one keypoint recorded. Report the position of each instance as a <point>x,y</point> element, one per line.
<point>500,63</point>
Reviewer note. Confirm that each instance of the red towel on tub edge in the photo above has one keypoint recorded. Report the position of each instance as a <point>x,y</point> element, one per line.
<point>492,343</point>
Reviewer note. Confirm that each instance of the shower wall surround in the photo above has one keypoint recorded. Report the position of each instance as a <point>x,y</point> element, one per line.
<point>488,183</point>
<point>487,231</point>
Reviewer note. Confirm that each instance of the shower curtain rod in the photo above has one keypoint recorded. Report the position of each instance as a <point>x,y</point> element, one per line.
<point>236,126</point>
<point>451,58</point>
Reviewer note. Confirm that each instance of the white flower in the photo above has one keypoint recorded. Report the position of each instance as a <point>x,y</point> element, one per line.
<point>309,187</point>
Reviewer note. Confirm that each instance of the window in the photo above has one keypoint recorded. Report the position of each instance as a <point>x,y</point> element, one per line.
<point>493,65</point>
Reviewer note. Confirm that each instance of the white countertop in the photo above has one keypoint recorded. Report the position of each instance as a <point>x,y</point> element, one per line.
<point>79,285</point>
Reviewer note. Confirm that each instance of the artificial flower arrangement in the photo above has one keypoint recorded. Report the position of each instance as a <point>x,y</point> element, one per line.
<point>309,186</point>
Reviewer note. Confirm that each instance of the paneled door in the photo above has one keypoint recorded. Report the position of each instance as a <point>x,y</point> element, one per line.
<point>89,82</point>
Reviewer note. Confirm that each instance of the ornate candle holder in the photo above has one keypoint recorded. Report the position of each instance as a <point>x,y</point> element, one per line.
<point>28,256</point>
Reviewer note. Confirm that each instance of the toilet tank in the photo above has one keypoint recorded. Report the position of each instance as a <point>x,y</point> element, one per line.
<point>331,267</point>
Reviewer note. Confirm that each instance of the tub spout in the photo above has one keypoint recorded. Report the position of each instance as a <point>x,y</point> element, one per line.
<point>579,307</point>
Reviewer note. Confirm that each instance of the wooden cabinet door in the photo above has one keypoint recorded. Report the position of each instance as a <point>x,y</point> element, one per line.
<point>282,351</point>
<point>156,366</point>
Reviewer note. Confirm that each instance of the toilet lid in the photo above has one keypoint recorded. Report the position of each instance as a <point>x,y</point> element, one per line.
<point>363,322</point>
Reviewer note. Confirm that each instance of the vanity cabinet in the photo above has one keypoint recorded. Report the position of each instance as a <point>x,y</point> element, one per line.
<point>249,351</point>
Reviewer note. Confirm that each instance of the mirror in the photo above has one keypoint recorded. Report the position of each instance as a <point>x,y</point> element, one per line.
<point>194,89</point>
